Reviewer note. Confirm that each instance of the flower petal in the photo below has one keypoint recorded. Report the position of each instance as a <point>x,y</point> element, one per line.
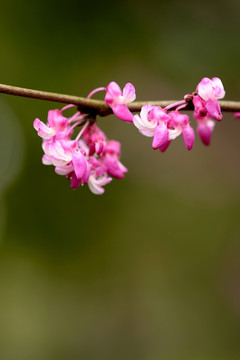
<point>114,167</point>
<point>205,89</point>
<point>43,130</point>
<point>75,181</point>
<point>173,133</point>
<point>112,92</point>
<point>204,130</point>
<point>160,136</point>
<point>188,136</point>
<point>214,109</point>
<point>164,146</point>
<point>86,174</point>
<point>95,185</point>
<point>64,170</point>
<point>129,94</point>
<point>159,114</point>
<point>56,119</point>
<point>79,164</point>
<point>122,112</point>
<point>218,88</point>
<point>46,160</point>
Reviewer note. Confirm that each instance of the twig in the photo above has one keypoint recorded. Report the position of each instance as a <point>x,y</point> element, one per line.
<point>98,107</point>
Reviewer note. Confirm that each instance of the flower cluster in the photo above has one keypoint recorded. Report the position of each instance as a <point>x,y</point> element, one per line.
<point>92,159</point>
<point>165,126</point>
<point>155,122</point>
<point>206,107</point>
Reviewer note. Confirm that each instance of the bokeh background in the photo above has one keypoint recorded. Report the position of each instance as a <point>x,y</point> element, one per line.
<point>150,270</point>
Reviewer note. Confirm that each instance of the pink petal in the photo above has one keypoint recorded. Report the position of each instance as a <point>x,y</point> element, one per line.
<point>69,145</point>
<point>56,119</point>
<point>122,112</point>
<point>178,119</point>
<point>46,160</point>
<point>95,185</point>
<point>218,88</point>
<point>188,136</point>
<point>129,94</point>
<point>204,130</point>
<point>205,89</point>
<point>145,122</point>
<point>58,162</point>
<point>237,115</point>
<point>86,174</point>
<point>164,146</point>
<point>112,147</point>
<point>160,136</point>
<point>159,114</point>
<point>59,156</point>
<point>99,147</point>
<point>75,182</point>
<point>114,167</point>
<point>112,92</point>
<point>214,109</point>
<point>64,170</point>
<point>200,110</point>
<point>43,130</point>
<point>79,164</point>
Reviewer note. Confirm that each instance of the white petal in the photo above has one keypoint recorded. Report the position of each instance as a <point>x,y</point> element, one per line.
<point>172,134</point>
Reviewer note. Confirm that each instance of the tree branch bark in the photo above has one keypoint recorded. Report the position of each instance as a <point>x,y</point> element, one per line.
<point>98,107</point>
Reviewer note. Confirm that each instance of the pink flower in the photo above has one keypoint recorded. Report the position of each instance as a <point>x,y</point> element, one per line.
<point>57,125</point>
<point>180,125</point>
<point>206,100</point>
<point>89,159</point>
<point>188,136</point>
<point>111,156</point>
<point>44,131</point>
<point>117,100</point>
<point>155,122</point>
<point>95,138</point>
<point>237,115</point>
<point>164,146</point>
<point>99,176</point>
<point>78,171</point>
<point>146,124</point>
<point>58,152</point>
<point>161,136</point>
<point>96,184</point>
<point>210,89</point>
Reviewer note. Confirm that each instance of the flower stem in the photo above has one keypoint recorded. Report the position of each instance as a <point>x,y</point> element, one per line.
<point>174,105</point>
<point>95,91</point>
<point>82,130</point>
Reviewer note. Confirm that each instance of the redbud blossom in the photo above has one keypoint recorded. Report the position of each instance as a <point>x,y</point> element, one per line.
<point>88,159</point>
<point>91,158</point>
<point>206,106</point>
<point>205,102</point>
<point>155,122</point>
<point>118,99</point>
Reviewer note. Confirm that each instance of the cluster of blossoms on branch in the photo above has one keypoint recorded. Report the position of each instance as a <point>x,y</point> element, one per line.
<point>90,158</point>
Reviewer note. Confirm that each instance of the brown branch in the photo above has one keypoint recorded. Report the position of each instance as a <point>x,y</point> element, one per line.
<point>98,107</point>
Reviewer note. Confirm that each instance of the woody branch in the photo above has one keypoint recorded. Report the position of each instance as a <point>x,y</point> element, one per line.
<point>99,107</point>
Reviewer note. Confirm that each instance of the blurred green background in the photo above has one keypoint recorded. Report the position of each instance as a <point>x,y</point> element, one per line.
<point>151,269</point>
